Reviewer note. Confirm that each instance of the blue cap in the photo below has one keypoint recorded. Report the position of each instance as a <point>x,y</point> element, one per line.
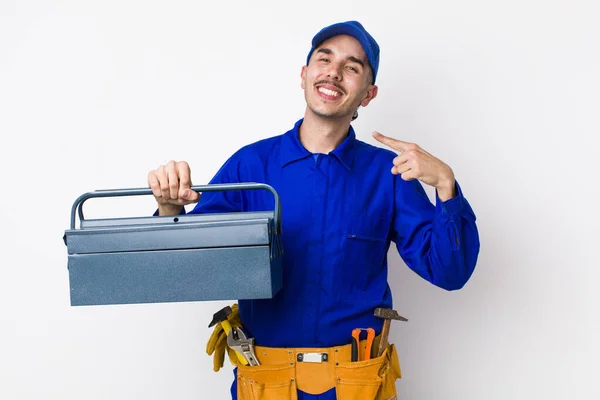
<point>358,32</point>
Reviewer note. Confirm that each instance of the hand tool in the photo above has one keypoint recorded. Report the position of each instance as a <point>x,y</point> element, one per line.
<point>370,339</point>
<point>221,317</point>
<point>388,315</point>
<point>368,354</point>
<point>355,344</point>
<point>241,343</point>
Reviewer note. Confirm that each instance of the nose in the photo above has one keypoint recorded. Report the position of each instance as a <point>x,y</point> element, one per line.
<point>334,71</point>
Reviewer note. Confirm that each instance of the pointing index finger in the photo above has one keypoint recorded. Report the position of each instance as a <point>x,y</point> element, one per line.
<point>391,142</point>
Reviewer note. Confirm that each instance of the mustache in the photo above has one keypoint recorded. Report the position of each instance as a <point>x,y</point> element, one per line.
<point>337,85</point>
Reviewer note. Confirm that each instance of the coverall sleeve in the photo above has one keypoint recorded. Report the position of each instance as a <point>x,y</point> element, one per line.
<point>440,243</point>
<point>224,201</point>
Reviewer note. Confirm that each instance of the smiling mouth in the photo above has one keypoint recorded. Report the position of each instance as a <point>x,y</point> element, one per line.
<point>328,92</point>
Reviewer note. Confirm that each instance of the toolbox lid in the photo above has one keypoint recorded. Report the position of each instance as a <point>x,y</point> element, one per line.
<point>191,231</point>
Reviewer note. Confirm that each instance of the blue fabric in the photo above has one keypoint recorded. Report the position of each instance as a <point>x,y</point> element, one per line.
<point>358,32</point>
<point>340,213</point>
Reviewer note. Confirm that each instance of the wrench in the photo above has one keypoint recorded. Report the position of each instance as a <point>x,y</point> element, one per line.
<point>239,341</point>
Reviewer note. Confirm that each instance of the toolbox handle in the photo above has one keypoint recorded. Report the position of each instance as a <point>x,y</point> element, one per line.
<point>216,187</point>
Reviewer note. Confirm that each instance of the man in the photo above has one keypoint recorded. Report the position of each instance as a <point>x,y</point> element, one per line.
<point>343,203</point>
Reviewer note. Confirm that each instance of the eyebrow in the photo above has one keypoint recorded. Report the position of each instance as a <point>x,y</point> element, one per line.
<point>351,58</point>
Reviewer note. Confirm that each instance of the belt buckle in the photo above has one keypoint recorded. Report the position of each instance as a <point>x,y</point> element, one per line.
<point>312,357</point>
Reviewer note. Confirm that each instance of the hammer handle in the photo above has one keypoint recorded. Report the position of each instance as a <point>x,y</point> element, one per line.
<point>385,332</point>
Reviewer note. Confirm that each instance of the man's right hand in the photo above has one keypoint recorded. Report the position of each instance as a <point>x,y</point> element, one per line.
<point>170,186</point>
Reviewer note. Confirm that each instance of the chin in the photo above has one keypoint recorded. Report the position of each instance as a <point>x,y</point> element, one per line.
<point>325,112</point>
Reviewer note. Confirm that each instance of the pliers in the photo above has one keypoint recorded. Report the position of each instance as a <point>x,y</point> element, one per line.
<point>369,350</point>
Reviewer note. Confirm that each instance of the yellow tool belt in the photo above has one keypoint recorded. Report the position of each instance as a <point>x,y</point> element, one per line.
<point>283,371</point>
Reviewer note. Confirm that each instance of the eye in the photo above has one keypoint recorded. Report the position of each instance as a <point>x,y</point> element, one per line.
<point>324,59</point>
<point>351,68</point>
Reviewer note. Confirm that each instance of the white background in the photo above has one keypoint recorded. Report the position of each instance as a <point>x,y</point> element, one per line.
<point>95,94</point>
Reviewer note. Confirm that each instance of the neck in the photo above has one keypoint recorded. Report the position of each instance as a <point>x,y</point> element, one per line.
<point>322,135</point>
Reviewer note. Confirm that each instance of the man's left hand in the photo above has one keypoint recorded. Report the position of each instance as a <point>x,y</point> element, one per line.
<point>415,163</point>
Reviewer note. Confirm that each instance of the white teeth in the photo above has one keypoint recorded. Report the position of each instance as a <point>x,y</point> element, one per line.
<point>328,92</point>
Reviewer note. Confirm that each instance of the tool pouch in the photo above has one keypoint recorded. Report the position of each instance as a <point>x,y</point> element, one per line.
<point>266,382</point>
<point>373,379</point>
<point>280,375</point>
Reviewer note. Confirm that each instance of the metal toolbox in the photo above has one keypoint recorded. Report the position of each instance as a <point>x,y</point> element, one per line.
<point>157,259</point>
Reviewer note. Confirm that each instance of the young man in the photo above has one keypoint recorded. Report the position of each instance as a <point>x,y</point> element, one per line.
<point>343,203</point>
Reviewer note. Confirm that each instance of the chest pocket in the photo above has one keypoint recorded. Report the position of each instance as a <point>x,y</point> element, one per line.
<point>364,248</point>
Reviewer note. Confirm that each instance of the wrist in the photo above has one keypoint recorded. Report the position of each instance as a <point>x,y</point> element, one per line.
<point>446,190</point>
<point>169,209</point>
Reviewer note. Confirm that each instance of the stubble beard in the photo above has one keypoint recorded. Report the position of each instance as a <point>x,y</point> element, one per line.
<point>345,111</point>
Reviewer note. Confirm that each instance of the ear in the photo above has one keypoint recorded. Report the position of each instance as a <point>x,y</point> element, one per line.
<point>303,77</point>
<point>371,94</point>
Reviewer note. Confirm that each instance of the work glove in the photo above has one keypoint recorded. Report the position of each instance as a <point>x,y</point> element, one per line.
<point>217,343</point>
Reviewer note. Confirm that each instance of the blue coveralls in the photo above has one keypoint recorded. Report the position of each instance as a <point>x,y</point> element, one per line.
<point>340,212</point>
